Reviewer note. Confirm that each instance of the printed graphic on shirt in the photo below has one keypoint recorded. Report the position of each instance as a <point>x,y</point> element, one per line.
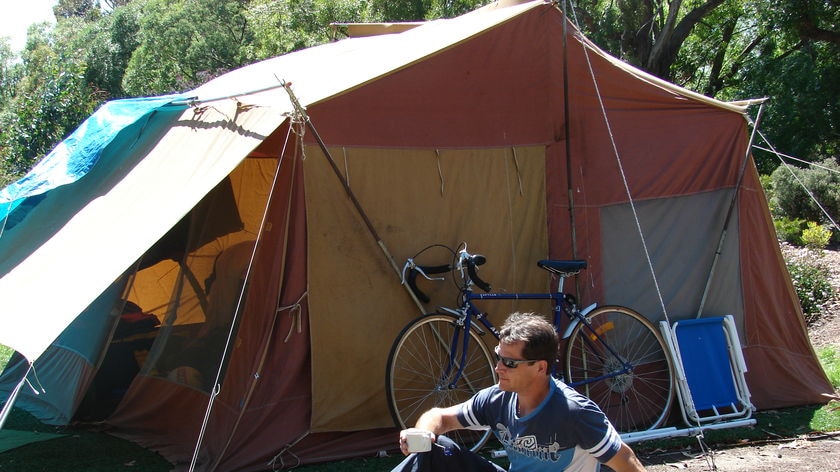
<point>529,447</point>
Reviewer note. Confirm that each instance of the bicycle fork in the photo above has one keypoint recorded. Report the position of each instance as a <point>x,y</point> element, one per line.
<point>592,340</point>
<point>457,360</point>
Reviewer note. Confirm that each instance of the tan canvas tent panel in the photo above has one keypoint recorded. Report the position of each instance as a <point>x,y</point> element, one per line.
<point>455,130</point>
<point>436,203</point>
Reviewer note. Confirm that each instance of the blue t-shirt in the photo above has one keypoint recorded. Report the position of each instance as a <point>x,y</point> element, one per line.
<point>567,431</point>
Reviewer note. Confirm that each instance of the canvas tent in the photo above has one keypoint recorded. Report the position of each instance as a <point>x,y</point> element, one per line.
<point>476,129</point>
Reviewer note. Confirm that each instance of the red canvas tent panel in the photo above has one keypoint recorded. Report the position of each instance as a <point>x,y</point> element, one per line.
<point>471,111</point>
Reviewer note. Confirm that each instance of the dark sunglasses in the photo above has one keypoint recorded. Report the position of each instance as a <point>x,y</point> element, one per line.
<point>508,362</point>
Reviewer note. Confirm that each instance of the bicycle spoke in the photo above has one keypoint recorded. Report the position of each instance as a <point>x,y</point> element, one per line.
<point>598,357</point>
<point>422,375</point>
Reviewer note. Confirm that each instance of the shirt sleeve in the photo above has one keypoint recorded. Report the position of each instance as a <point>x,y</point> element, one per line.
<point>476,411</point>
<point>596,434</point>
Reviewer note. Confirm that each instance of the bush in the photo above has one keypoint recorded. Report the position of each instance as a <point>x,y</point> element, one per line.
<point>789,230</point>
<point>811,281</point>
<point>815,236</point>
<point>791,200</point>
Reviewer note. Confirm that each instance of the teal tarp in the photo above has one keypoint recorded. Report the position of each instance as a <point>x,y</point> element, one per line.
<point>76,155</point>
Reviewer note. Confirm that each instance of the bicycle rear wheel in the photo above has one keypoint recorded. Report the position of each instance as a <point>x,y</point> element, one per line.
<point>419,375</point>
<point>633,401</point>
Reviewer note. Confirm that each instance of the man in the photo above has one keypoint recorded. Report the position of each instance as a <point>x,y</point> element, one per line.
<point>542,423</point>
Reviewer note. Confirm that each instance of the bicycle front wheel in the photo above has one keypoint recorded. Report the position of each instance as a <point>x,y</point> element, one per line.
<point>635,398</point>
<point>421,373</point>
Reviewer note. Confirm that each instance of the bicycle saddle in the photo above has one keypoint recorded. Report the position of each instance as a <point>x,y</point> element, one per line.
<point>562,268</point>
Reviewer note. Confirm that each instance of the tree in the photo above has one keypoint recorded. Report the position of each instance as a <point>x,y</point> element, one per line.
<point>185,43</point>
<point>418,10</point>
<point>74,8</point>
<point>51,99</point>
<point>9,73</point>
<point>645,33</point>
<point>786,50</point>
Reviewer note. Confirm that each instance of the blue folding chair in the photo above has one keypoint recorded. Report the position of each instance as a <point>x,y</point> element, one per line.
<point>710,370</point>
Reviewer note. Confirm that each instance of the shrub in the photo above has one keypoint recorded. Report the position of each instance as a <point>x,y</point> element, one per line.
<point>815,236</point>
<point>811,281</point>
<point>789,230</point>
<point>791,200</point>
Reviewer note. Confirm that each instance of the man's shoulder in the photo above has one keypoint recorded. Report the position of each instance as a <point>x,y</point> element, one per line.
<point>569,394</point>
<point>492,393</point>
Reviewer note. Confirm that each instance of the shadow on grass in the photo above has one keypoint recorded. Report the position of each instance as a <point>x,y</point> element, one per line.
<point>81,449</point>
<point>85,449</point>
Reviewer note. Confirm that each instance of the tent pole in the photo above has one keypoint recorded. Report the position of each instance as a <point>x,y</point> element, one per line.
<point>729,212</point>
<point>302,112</point>
<point>7,408</point>
<point>570,194</point>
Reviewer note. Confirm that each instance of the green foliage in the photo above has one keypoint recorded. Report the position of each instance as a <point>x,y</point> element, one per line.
<point>815,236</point>
<point>282,27</point>
<point>799,71</point>
<point>75,8</point>
<point>791,200</point>
<point>184,43</point>
<point>105,46</point>
<point>811,280</point>
<point>51,98</point>
<point>5,354</point>
<point>789,230</point>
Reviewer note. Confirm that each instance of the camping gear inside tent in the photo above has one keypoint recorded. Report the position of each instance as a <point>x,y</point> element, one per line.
<point>504,128</point>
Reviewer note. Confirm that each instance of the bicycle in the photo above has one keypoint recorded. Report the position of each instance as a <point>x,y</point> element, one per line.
<point>612,354</point>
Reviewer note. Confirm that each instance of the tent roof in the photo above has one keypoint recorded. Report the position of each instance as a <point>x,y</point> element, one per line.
<point>150,176</point>
<point>361,60</point>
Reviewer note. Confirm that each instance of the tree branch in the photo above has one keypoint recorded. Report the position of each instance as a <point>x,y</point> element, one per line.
<point>809,30</point>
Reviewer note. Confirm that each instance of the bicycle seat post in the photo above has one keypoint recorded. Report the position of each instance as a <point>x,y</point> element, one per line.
<point>561,279</point>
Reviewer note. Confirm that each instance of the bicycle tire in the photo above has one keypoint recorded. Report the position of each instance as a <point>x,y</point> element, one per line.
<point>416,378</point>
<point>634,401</point>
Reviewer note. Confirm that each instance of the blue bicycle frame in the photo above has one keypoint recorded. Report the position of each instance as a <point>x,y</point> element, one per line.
<point>469,310</point>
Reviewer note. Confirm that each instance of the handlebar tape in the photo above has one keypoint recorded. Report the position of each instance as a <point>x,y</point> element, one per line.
<point>471,263</point>
<point>411,280</point>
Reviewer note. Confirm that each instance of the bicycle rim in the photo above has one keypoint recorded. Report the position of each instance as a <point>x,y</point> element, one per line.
<point>634,401</point>
<point>418,377</point>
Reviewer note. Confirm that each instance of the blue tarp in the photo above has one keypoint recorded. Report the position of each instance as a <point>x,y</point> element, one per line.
<point>78,153</point>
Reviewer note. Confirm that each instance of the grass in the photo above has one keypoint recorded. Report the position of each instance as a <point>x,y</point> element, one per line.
<point>92,451</point>
<point>830,360</point>
<point>5,353</point>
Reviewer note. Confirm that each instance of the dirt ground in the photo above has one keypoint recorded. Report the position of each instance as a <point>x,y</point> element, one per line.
<point>807,453</point>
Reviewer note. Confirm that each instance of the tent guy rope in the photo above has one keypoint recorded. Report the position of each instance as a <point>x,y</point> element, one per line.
<point>796,177</point>
<point>617,155</point>
<point>217,382</point>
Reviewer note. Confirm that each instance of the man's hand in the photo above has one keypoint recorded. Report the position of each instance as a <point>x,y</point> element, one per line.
<point>404,438</point>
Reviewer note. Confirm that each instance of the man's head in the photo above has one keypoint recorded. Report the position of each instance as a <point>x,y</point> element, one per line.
<point>537,334</point>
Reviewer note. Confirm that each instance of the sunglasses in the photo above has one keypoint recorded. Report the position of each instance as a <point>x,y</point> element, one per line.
<point>508,362</point>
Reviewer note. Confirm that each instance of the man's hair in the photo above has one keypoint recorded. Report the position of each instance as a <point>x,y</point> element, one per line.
<point>536,332</point>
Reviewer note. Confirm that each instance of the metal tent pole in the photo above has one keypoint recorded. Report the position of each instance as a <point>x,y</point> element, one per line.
<point>729,212</point>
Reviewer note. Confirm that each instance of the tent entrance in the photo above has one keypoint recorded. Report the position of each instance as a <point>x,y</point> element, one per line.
<point>180,303</point>
<point>196,287</point>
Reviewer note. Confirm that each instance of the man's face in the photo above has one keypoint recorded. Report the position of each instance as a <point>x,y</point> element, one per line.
<point>516,379</point>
